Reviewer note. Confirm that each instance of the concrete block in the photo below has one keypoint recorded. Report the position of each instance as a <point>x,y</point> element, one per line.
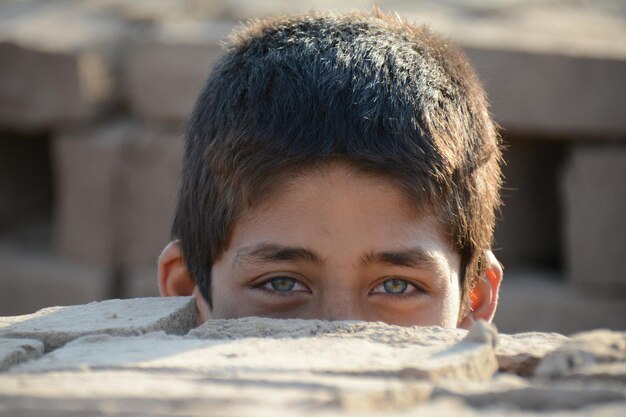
<point>58,63</point>
<point>165,73</point>
<point>594,200</point>
<point>542,301</point>
<point>33,277</point>
<point>116,191</point>
<point>533,91</point>
<point>55,326</point>
<point>87,186</point>
<point>14,351</point>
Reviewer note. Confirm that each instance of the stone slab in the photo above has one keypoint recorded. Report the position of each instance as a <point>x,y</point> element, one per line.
<point>584,350</point>
<point>521,353</point>
<point>257,366</point>
<point>14,351</point>
<point>55,326</point>
<point>260,357</point>
<point>600,372</point>
<point>298,328</point>
<point>535,396</point>
<point>512,351</point>
<point>594,200</point>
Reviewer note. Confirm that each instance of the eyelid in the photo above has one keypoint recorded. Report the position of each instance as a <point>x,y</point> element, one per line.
<point>266,280</point>
<point>419,288</point>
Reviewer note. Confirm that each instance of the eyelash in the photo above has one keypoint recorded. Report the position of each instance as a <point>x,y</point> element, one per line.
<point>262,284</point>
<point>418,289</point>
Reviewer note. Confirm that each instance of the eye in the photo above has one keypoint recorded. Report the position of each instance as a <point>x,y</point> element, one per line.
<point>283,285</point>
<point>396,286</point>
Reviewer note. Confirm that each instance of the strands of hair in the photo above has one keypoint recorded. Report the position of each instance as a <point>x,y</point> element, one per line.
<point>293,93</point>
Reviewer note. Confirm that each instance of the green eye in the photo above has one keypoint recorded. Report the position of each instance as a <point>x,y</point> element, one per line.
<point>395,286</point>
<point>282,284</point>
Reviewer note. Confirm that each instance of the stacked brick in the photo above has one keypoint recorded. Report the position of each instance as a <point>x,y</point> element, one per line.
<point>101,92</point>
<point>94,95</point>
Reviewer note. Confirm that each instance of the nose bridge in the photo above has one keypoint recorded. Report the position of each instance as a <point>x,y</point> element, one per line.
<point>341,304</point>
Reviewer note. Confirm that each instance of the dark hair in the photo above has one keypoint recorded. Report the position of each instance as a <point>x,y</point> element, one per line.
<point>372,90</point>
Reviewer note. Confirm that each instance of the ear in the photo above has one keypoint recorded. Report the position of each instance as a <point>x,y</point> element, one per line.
<point>174,277</point>
<point>483,298</point>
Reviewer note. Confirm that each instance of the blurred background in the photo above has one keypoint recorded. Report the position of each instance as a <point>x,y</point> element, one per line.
<point>94,95</point>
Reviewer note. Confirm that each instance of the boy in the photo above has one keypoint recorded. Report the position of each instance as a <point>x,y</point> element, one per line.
<point>338,167</point>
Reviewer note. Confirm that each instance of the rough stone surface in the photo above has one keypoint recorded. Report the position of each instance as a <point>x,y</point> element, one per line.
<point>13,351</point>
<point>594,227</point>
<point>264,357</point>
<point>296,328</point>
<point>255,366</point>
<point>584,350</point>
<point>515,356</point>
<point>535,396</point>
<point>55,326</point>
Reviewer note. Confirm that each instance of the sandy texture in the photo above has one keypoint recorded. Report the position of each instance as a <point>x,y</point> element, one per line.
<point>520,353</point>
<point>58,325</point>
<point>13,351</point>
<point>260,357</point>
<point>257,366</point>
<point>585,351</point>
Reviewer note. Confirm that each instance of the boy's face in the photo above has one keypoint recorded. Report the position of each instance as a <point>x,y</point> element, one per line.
<point>335,244</point>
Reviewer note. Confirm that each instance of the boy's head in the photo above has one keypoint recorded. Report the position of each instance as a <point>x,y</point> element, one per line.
<point>339,166</point>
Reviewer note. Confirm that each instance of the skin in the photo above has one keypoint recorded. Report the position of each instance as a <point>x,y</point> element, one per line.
<point>335,244</point>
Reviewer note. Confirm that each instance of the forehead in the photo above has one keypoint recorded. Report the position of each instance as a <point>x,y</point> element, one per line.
<point>338,206</point>
<point>322,179</point>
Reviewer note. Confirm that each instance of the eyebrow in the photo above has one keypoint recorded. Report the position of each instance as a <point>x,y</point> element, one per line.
<point>272,252</point>
<point>411,258</point>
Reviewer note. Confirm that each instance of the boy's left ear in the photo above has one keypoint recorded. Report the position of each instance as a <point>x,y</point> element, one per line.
<point>174,277</point>
<point>483,298</point>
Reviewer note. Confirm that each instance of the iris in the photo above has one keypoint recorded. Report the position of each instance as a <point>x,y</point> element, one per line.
<point>395,286</point>
<point>283,284</point>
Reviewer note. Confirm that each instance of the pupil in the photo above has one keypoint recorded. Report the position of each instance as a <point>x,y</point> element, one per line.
<point>283,284</point>
<point>395,286</point>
